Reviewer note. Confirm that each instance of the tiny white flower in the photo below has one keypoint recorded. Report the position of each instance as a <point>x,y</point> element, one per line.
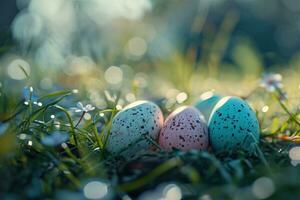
<point>271,82</point>
<point>118,107</point>
<point>81,108</point>
<point>89,107</point>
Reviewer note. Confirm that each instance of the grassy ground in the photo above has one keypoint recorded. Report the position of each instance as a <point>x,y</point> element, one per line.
<point>36,164</point>
<point>49,151</point>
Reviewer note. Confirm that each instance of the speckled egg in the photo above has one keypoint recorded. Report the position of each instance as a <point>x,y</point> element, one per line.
<point>206,103</point>
<point>233,125</point>
<point>131,125</point>
<point>184,129</point>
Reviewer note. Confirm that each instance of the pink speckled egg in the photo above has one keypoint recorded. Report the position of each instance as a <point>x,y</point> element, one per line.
<point>184,129</point>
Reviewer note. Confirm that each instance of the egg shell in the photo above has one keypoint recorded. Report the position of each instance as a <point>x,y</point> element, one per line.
<point>206,103</point>
<point>233,125</point>
<point>184,129</point>
<point>130,125</point>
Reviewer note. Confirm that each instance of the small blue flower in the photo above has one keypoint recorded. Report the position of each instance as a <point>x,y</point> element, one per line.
<point>26,94</point>
<point>55,138</point>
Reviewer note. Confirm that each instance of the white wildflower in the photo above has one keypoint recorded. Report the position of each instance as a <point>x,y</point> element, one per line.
<point>81,108</point>
<point>271,82</point>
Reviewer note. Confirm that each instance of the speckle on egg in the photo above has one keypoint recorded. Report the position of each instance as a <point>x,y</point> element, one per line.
<point>184,129</point>
<point>233,125</point>
<point>131,125</point>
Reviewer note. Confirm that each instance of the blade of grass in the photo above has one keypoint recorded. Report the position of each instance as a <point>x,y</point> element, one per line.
<point>55,94</point>
<point>155,173</point>
<point>71,123</point>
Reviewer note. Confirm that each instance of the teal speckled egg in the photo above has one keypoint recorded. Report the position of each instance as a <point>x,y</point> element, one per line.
<point>131,126</point>
<point>206,103</point>
<point>233,125</point>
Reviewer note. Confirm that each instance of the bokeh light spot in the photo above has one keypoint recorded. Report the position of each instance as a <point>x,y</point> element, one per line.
<point>113,75</point>
<point>130,97</point>
<point>95,190</point>
<point>16,67</point>
<point>181,97</point>
<point>265,109</point>
<point>263,188</point>
<point>137,46</point>
<point>87,116</point>
<point>172,192</point>
<point>294,155</point>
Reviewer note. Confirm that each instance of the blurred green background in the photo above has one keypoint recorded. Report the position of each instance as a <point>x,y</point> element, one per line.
<point>147,48</point>
<point>185,44</point>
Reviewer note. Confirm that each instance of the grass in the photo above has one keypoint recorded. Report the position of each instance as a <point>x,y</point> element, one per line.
<point>30,169</point>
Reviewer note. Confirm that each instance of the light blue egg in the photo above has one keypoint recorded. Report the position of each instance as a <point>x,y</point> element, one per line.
<point>206,103</point>
<point>132,126</point>
<point>233,125</point>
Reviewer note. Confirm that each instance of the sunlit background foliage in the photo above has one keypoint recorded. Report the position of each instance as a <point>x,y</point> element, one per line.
<point>55,54</point>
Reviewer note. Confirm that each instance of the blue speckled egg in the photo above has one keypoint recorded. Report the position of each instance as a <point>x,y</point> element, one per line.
<point>206,103</point>
<point>233,125</point>
<point>131,125</point>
